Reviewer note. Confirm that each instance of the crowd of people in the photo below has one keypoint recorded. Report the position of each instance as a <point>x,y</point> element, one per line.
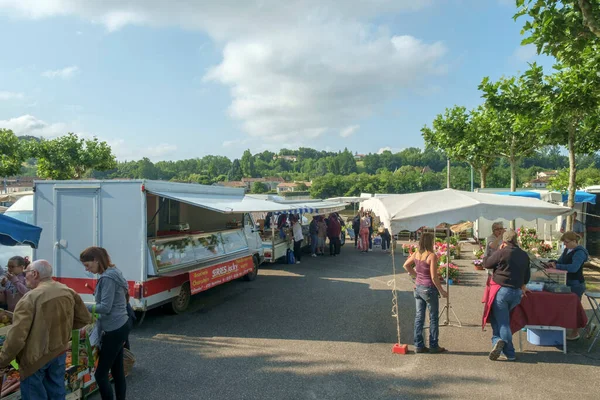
<point>44,314</point>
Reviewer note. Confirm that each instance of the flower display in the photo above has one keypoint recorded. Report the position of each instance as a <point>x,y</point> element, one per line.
<point>529,241</point>
<point>453,271</point>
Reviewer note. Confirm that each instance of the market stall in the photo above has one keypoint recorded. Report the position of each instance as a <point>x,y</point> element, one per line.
<point>429,209</point>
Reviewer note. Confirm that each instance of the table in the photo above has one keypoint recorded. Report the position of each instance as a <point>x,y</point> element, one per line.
<point>550,311</point>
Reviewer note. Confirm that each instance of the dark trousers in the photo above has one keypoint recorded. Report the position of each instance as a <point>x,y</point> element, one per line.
<point>356,235</point>
<point>334,246</point>
<point>386,241</point>
<point>370,238</point>
<point>297,249</point>
<point>110,357</point>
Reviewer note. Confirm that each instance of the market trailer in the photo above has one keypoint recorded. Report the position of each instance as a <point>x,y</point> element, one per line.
<point>170,240</point>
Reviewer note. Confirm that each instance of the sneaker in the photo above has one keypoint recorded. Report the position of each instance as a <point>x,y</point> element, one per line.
<point>297,262</point>
<point>591,331</point>
<point>421,350</point>
<point>437,350</point>
<point>313,255</point>
<point>504,357</point>
<point>573,338</point>
<point>497,350</point>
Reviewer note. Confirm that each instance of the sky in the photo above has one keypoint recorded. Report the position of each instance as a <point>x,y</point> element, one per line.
<point>182,79</point>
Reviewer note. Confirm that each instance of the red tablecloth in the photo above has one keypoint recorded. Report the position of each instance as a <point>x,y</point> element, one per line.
<point>549,309</point>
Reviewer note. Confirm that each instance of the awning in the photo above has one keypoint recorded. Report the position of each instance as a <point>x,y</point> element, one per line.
<point>228,204</point>
<point>581,197</point>
<point>14,232</point>
<point>533,195</point>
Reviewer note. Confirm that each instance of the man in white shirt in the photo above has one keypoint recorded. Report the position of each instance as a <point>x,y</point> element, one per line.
<point>298,238</point>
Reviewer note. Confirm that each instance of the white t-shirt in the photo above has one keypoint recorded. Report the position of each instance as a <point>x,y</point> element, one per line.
<point>297,231</point>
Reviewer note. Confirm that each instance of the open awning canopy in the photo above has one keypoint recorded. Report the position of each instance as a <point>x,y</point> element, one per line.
<point>558,197</point>
<point>415,210</point>
<point>229,204</point>
<point>14,232</point>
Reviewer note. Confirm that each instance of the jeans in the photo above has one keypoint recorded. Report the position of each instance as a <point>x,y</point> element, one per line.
<point>314,240</point>
<point>370,239</point>
<point>427,297</point>
<point>577,287</point>
<point>47,383</point>
<point>297,249</point>
<point>110,357</point>
<point>385,242</point>
<point>506,299</point>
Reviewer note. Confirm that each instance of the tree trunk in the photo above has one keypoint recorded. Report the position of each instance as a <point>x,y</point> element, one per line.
<point>483,171</point>
<point>513,182</point>
<point>572,176</point>
<point>588,17</point>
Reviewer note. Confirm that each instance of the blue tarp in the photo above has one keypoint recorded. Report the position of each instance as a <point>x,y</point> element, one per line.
<point>581,197</point>
<point>14,232</point>
<point>533,195</point>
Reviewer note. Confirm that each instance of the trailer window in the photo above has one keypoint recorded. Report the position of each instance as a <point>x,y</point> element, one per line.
<point>169,213</point>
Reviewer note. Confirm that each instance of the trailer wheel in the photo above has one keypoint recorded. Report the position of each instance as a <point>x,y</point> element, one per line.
<point>250,276</point>
<point>181,302</point>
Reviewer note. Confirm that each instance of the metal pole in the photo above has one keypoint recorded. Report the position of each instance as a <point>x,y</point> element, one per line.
<point>448,277</point>
<point>448,173</point>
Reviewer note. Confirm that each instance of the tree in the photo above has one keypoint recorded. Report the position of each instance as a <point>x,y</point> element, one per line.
<point>347,163</point>
<point>70,157</point>
<point>574,109</point>
<point>235,173</point>
<point>462,136</point>
<point>259,187</point>
<point>12,153</point>
<point>567,29</point>
<point>247,164</point>
<point>514,106</point>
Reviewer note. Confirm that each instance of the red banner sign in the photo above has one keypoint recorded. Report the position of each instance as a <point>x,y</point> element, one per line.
<point>206,278</point>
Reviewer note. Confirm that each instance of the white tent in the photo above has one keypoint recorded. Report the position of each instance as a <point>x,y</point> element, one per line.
<point>415,210</point>
<point>412,211</point>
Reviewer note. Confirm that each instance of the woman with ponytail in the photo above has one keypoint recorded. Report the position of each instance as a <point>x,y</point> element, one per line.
<point>12,285</point>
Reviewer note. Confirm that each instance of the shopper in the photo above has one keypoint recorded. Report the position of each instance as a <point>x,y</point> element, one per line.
<point>41,331</point>
<point>298,238</point>
<point>365,223</point>
<point>422,266</point>
<point>356,229</point>
<point>510,268</point>
<point>313,230</point>
<point>114,324</point>
<point>334,229</point>
<point>13,285</point>
<point>322,225</point>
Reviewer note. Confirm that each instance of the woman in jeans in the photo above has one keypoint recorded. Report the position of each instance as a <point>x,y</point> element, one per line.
<point>427,289</point>
<point>111,304</point>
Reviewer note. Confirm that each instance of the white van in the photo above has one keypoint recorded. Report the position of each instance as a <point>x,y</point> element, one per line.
<point>22,210</point>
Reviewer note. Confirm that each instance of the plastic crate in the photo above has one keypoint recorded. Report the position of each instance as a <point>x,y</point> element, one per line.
<point>543,337</point>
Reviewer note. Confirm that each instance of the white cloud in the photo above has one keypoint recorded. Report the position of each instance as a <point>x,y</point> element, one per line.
<point>525,53</point>
<point>128,151</point>
<point>295,69</point>
<point>394,150</point>
<point>64,73</point>
<point>349,131</point>
<point>30,125</point>
<point>11,96</point>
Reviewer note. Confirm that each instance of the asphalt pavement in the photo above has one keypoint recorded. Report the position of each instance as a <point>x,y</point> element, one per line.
<point>323,329</point>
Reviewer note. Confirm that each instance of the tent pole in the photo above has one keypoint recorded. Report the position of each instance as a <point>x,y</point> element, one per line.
<point>448,306</point>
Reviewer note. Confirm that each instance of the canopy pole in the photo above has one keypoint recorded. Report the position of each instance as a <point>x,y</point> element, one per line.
<point>398,347</point>
<point>448,306</point>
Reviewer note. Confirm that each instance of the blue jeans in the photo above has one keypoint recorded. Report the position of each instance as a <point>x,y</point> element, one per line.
<point>314,240</point>
<point>506,299</point>
<point>427,297</point>
<point>577,287</point>
<point>47,383</point>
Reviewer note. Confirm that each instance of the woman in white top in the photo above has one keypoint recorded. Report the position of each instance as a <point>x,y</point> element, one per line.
<point>298,238</point>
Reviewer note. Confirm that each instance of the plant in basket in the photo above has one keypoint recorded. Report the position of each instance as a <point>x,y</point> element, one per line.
<point>478,264</point>
<point>478,253</point>
<point>452,272</point>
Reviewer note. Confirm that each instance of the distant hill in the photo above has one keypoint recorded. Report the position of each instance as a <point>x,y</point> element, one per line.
<point>28,138</point>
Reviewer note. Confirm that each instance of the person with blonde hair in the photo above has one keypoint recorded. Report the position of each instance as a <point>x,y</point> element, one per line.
<point>572,260</point>
<point>427,290</point>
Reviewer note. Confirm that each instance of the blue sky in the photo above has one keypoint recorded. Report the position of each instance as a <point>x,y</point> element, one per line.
<point>175,81</point>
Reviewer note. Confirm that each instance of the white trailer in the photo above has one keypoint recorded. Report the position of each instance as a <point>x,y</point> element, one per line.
<point>170,240</point>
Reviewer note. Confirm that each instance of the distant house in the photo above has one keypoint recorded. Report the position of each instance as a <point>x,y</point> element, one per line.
<point>358,157</point>
<point>546,174</point>
<point>538,183</point>
<point>291,186</point>
<point>234,184</point>
<point>287,158</point>
<point>271,182</point>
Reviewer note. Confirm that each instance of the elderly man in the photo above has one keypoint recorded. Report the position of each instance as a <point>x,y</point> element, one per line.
<point>510,268</point>
<point>577,225</point>
<point>41,330</point>
<point>493,242</point>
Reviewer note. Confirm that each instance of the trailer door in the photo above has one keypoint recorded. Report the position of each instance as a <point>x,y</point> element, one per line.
<point>76,227</point>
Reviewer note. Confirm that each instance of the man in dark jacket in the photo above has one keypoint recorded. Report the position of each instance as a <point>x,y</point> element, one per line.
<point>510,265</point>
<point>334,229</point>
<point>356,228</point>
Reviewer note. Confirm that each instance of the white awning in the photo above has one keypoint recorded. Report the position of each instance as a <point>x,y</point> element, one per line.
<point>248,204</point>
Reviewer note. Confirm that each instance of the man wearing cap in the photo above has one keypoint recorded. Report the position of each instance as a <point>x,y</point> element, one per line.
<point>510,267</point>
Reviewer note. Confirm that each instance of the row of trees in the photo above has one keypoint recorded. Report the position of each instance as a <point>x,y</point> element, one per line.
<point>524,113</point>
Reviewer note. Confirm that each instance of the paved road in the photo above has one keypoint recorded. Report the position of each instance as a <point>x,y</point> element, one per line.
<point>323,330</point>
